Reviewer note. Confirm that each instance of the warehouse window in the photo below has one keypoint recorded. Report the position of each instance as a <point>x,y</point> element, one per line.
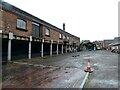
<point>67,37</point>
<point>63,36</point>
<point>47,32</point>
<point>35,29</point>
<point>60,35</point>
<point>21,24</point>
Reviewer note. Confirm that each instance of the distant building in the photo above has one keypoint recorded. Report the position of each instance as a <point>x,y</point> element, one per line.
<point>87,45</point>
<point>115,46</point>
<point>106,43</point>
<point>99,44</point>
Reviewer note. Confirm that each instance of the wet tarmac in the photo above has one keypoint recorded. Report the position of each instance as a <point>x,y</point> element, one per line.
<point>105,75</point>
<point>63,71</point>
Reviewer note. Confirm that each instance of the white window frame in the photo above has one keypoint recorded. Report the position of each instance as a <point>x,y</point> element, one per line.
<point>67,37</point>
<point>21,24</point>
<point>64,37</point>
<point>60,35</point>
<point>37,24</point>
<point>47,32</point>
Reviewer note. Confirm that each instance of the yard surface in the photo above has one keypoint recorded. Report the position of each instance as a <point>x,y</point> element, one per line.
<point>63,71</point>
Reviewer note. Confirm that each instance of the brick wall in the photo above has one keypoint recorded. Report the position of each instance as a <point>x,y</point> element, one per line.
<point>9,23</point>
<point>54,35</point>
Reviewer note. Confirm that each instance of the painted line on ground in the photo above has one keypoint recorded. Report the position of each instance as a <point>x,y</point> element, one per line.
<point>83,82</point>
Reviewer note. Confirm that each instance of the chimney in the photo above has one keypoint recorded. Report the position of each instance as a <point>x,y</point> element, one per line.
<point>64,26</point>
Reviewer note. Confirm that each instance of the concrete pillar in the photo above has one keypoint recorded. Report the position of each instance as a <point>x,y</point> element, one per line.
<point>62,48</point>
<point>94,48</point>
<point>69,48</point>
<point>57,47</point>
<point>66,49</point>
<point>9,45</point>
<point>76,48</point>
<point>72,48</point>
<point>51,47</point>
<point>9,50</point>
<point>29,51</point>
<point>42,48</point>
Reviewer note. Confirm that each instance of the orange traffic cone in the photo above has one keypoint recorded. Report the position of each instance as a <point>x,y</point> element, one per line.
<point>88,68</point>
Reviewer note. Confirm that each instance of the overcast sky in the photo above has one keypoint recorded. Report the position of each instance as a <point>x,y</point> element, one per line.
<point>87,19</point>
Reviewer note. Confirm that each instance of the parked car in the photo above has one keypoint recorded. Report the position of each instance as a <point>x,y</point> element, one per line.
<point>116,51</point>
<point>113,50</point>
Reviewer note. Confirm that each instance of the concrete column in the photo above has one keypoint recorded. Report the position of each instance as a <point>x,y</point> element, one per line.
<point>76,48</point>
<point>94,48</point>
<point>66,49</point>
<point>69,47</point>
<point>57,47</point>
<point>9,50</point>
<point>9,45</point>
<point>42,48</point>
<point>72,48</point>
<point>62,48</point>
<point>51,47</point>
<point>29,51</point>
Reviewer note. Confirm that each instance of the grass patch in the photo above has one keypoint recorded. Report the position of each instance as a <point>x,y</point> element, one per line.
<point>4,77</point>
<point>10,64</point>
<point>87,82</point>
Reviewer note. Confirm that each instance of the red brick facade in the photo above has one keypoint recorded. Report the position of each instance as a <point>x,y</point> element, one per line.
<point>9,24</point>
<point>35,35</point>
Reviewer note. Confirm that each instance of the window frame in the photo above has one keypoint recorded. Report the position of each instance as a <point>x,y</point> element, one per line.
<point>19,25</point>
<point>38,25</point>
<point>60,36</point>
<point>64,37</point>
<point>68,38</point>
<point>47,33</point>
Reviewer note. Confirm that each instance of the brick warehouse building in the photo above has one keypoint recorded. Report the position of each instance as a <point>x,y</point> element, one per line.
<point>26,36</point>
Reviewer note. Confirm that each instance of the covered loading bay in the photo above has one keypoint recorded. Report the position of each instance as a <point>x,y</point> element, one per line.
<point>19,49</point>
<point>54,48</point>
<point>60,48</point>
<point>46,49</point>
<point>36,49</point>
<point>4,50</point>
